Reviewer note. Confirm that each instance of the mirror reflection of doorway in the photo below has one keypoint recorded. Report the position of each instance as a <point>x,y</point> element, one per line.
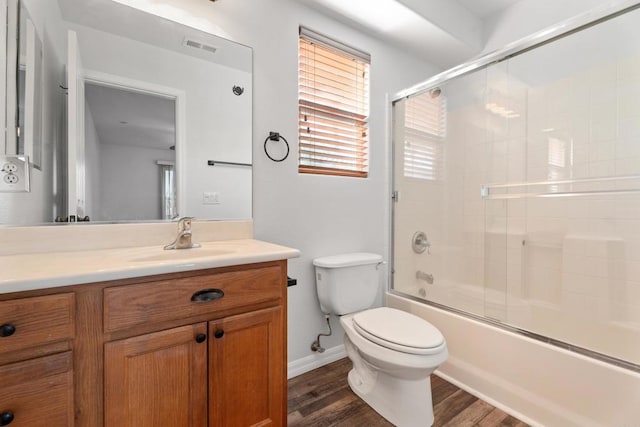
<point>130,142</point>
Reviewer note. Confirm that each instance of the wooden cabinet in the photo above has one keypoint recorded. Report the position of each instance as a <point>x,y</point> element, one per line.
<point>226,373</point>
<point>200,348</point>
<point>225,369</point>
<point>36,366</point>
<point>37,392</point>
<point>247,379</point>
<point>30,323</point>
<point>175,299</point>
<point>157,379</point>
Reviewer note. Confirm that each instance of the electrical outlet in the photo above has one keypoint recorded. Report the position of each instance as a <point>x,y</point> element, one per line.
<point>14,173</point>
<point>9,167</point>
<point>11,178</point>
<point>210,198</point>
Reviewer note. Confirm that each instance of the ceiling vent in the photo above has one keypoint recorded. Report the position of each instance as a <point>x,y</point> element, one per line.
<point>199,45</point>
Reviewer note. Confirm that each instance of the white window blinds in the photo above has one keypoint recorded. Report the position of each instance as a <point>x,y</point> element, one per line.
<point>333,107</point>
<point>424,133</point>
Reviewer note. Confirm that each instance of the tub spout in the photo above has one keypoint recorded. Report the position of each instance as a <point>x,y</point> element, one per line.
<point>421,275</point>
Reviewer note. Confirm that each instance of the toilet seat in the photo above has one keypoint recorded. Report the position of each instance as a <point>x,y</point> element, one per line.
<point>398,330</point>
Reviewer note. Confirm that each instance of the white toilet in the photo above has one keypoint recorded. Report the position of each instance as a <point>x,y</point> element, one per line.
<point>393,352</point>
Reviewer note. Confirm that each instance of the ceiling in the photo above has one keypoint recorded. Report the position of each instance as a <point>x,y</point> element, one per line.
<point>115,17</point>
<point>126,117</point>
<point>486,8</point>
<point>442,32</point>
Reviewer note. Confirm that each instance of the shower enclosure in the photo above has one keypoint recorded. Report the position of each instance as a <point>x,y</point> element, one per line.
<point>522,172</point>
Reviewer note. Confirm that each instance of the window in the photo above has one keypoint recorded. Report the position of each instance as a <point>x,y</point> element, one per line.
<point>333,107</point>
<point>168,191</point>
<point>424,132</point>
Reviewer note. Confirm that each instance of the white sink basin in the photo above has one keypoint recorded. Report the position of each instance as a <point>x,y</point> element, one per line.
<point>182,254</point>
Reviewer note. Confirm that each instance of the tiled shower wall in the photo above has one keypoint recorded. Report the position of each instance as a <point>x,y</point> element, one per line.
<point>565,265</point>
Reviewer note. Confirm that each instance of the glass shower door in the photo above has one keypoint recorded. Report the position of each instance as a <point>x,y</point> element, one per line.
<point>440,154</point>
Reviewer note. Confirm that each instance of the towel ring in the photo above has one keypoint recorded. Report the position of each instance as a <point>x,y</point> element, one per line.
<point>275,136</point>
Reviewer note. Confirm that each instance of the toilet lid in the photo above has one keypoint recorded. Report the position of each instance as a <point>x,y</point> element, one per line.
<point>347,260</point>
<point>398,330</point>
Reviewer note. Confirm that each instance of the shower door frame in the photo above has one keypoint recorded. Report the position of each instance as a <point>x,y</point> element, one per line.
<point>573,25</point>
<point>538,39</point>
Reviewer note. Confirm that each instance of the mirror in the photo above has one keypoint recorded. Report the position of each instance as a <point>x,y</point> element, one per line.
<point>125,116</point>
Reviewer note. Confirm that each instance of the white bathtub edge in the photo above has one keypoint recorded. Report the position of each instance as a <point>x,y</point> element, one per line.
<point>536,382</point>
<point>488,399</point>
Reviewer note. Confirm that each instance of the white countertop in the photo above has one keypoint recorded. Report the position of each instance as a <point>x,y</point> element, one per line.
<point>31,271</point>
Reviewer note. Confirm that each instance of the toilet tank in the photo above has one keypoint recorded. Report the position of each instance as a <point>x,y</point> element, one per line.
<point>347,283</point>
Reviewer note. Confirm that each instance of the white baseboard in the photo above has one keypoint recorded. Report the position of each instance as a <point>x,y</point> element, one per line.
<point>316,360</point>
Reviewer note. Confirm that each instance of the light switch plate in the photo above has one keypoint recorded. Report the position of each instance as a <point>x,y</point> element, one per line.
<point>14,174</point>
<point>210,198</point>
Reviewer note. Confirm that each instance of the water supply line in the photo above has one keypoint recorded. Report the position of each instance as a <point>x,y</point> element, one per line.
<point>315,346</point>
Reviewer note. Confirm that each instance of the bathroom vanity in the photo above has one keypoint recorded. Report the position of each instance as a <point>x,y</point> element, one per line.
<point>98,325</point>
<point>205,346</point>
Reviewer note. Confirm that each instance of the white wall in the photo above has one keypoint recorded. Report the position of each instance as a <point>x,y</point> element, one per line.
<point>217,125</point>
<point>130,182</point>
<point>320,215</point>
<point>39,205</point>
<point>317,214</point>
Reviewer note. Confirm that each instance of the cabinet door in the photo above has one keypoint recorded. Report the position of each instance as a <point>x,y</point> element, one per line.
<point>246,370</point>
<point>38,392</point>
<point>158,379</point>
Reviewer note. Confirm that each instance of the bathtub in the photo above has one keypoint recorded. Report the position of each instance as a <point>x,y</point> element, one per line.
<point>539,383</point>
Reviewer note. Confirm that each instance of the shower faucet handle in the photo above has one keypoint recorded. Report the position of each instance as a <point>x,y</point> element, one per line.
<point>420,243</point>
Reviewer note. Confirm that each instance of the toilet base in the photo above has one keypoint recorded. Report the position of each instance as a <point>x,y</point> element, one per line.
<point>413,410</point>
<point>403,402</point>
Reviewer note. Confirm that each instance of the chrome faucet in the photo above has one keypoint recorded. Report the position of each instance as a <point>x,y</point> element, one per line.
<point>183,241</point>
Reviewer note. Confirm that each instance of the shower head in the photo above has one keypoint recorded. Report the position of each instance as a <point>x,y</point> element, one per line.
<point>435,92</point>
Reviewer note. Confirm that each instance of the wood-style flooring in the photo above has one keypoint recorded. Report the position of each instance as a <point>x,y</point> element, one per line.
<point>322,398</point>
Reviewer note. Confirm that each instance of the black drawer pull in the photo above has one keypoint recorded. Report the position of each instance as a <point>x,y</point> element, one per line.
<point>6,418</point>
<point>200,338</point>
<point>207,295</point>
<point>219,333</point>
<point>7,330</point>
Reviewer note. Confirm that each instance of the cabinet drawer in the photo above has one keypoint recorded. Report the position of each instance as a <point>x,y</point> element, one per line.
<point>38,392</point>
<point>31,322</point>
<point>166,300</point>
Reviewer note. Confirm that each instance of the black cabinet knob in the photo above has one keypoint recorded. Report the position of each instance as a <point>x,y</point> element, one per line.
<point>200,338</point>
<point>219,333</point>
<point>6,418</point>
<point>7,330</point>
